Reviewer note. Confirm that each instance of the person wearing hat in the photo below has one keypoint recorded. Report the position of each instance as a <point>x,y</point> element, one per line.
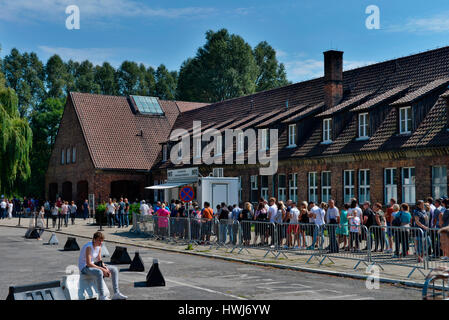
<point>90,263</point>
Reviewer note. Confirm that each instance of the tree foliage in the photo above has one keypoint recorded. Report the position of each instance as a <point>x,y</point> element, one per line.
<point>15,142</point>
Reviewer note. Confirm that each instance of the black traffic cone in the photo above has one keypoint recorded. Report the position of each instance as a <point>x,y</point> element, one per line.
<point>154,276</point>
<point>137,264</point>
<point>120,256</point>
<point>71,245</point>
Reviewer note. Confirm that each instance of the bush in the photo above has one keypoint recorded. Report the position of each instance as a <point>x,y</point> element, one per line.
<point>100,211</point>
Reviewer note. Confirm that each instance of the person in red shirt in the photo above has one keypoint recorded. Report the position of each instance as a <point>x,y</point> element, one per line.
<point>389,218</point>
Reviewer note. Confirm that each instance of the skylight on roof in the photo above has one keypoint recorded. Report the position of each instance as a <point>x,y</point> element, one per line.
<point>147,105</point>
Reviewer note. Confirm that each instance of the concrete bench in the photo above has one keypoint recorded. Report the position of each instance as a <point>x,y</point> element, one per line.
<point>81,287</point>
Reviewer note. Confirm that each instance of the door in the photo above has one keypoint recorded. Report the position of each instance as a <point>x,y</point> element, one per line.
<point>219,194</point>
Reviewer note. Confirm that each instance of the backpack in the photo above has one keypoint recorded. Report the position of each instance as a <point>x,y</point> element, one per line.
<point>397,221</point>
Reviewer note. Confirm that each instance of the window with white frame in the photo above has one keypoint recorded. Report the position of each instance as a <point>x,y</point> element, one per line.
<point>219,145</point>
<point>439,181</point>
<point>218,172</point>
<point>254,189</point>
<point>327,130</point>
<point>405,120</point>
<point>313,186</point>
<point>264,187</point>
<point>240,142</point>
<point>164,152</point>
<point>293,187</point>
<point>348,185</point>
<point>364,185</point>
<point>73,154</point>
<point>408,185</point>
<point>282,186</point>
<point>67,159</point>
<point>391,184</point>
<point>62,156</point>
<point>363,125</point>
<point>292,135</point>
<point>325,186</point>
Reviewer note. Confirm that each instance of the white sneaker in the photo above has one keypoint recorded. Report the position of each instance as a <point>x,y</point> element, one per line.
<point>119,296</point>
<point>104,298</point>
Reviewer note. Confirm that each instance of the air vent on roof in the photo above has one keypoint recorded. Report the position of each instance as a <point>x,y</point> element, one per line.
<point>147,105</point>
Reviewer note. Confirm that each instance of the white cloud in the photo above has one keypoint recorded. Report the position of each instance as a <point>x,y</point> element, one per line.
<point>95,55</point>
<point>19,10</point>
<point>436,23</point>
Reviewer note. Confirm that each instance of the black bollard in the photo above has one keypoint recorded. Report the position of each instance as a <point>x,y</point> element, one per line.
<point>20,215</point>
<point>101,225</point>
<point>48,213</point>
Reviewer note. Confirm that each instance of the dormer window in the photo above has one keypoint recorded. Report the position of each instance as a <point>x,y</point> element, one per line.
<point>405,120</point>
<point>292,135</point>
<point>363,126</point>
<point>327,130</point>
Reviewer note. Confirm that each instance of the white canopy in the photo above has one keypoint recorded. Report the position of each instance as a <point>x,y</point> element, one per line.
<point>170,185</point>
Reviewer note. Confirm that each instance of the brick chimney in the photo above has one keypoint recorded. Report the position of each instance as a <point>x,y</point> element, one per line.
<point>333,78</point>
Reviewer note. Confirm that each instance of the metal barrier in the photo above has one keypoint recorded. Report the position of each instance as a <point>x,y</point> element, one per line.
<point>179,229</point>
<point>299,239</point>
<point>228,233</point>
<point>435,256</point>
<point>405,239</point>
<point>260,235</point>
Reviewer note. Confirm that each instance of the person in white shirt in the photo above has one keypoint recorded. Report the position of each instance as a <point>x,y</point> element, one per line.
<point>318,215</point>
<point>272,216</point>
<point>110,211</point>
<point>293,228</point>
<point>90,263</point>
<point>3,206</point>
<point>10,207</point>
<point>144,208</point>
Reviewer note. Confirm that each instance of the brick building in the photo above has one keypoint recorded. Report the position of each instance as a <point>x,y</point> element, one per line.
<point>374,132</point>
<point>106,145</point>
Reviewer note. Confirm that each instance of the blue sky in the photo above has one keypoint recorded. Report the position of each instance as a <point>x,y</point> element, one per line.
<point>168,32</point>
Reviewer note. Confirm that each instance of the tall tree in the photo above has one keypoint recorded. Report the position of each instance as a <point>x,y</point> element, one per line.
<point>15,142</point>
<point>223,68</point>
<point>128,78</point>
<point>56,76</point>
<point>105,78</point>
<point>85,78</point>
<point>270,74</point>
<point>24,74</point>
<point>165,83</point>
<point>44,123</point>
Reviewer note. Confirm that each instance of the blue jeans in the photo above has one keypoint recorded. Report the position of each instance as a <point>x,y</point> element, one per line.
<point>223,232</point>
<point>66,219</point>
<point>419,240</point>
<point>316,230</point>
<point>98,274</point>
<point>126,218</point>
<point>2,213</point>
<point>110,219</point>
<point>120,218</point>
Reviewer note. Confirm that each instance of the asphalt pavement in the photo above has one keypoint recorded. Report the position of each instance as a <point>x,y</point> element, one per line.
<point>26,261</point>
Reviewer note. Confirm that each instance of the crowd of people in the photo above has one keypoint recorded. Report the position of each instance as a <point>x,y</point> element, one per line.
<point>311,225</point>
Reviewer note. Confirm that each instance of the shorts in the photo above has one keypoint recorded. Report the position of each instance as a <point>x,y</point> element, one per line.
<point>389,230</point>
<point>293,228</point>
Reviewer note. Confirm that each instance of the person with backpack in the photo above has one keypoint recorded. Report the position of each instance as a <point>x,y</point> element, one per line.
<point>401,235</point>
<point>207,214</point>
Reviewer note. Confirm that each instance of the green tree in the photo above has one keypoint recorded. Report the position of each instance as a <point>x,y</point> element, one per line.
<point>271,74</point>
<point>85,78</point>
<point>165,83</point>
<point>15,142</point>
<point>105,78</point>
<point>128,78</point>
<point>223,68</point>
<point>56,76</point>
<point>25,75</point>
<point>44,123</point>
